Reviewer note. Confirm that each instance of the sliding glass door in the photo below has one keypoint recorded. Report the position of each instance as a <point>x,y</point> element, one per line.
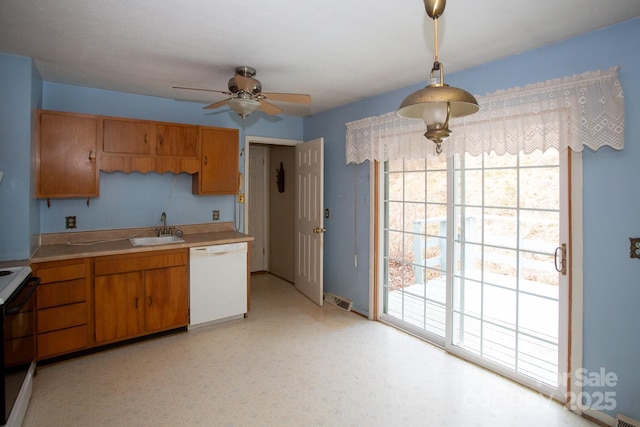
<point>470,256</point>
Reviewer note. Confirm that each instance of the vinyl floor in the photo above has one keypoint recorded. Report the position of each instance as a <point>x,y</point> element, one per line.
<point>290,363</point>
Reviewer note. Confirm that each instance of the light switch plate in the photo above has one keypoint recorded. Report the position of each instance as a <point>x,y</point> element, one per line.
<point>635,247</point>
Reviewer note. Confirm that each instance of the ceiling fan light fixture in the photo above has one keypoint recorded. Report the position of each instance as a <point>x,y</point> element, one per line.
<point>243,106</point>
<point>437,102</point>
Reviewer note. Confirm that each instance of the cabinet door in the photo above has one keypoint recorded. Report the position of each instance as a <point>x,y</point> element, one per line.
<point>66,156</point>
<point>126,136</point>
<point>119,306</point>
<point>167,302</point>
<point>219,162</point>
<point>176,140</point>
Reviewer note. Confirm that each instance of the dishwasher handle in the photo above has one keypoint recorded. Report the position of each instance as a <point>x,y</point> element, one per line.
<point>217,250</point>
<point>212,254</point>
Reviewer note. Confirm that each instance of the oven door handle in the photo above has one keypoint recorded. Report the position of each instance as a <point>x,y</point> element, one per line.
<point>16,310</point>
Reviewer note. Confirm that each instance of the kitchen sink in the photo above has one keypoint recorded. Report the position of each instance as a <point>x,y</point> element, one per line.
<point>153,241</point>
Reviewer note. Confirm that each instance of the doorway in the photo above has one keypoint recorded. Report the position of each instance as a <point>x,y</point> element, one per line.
<point>270,208</point>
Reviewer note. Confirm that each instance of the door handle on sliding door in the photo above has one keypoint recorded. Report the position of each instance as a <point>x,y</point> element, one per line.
<point>562,269</point>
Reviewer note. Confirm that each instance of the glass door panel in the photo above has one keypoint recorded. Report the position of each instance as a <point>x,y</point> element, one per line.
<point>506,299</point>
<point>415,218</point>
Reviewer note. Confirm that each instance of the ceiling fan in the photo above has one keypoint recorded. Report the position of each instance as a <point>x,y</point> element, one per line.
<point>246,96</point>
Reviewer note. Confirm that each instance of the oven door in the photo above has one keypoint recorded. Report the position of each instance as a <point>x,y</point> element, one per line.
<point>18,331</point>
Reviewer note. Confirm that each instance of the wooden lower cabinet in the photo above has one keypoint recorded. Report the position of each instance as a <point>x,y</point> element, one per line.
<point>89,302</point>
<point>167,298</point>
<point>119,300</point>
<point>63,307</point>
<point>140,294</point>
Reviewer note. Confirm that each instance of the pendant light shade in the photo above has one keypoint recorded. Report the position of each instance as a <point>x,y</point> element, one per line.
<point>437,102</point>
<point>426,103</point>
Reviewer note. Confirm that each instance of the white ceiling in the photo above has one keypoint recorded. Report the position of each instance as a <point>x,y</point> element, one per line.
<point>338,51</point>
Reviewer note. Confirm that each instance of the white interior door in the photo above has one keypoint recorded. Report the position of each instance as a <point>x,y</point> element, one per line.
<point>309,219</point>
<point>258,190</point>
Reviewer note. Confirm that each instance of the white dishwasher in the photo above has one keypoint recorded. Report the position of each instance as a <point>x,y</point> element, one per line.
<point>217,283</point>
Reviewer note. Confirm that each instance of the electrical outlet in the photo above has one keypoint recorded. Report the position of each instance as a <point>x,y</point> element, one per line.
<point>70,222</point>
<point>215,215</point>
<point>635,247</point>
<point>241,198</point>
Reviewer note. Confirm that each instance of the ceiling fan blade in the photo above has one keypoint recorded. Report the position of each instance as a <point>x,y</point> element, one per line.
<point>247,84</point>
<point>216,105</point>
<point>299,98</point>
<point>269,108</point>
<point>203,90</point>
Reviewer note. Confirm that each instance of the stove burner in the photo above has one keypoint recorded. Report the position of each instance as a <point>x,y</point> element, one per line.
<point>5,273</point>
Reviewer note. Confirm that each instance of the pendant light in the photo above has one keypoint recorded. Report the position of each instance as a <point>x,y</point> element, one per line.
<point>437,102</point>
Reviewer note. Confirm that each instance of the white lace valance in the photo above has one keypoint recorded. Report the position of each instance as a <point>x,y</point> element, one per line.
<point>576,111</point>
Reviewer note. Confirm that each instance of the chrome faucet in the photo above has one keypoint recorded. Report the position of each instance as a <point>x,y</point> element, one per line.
<point>164,231</point>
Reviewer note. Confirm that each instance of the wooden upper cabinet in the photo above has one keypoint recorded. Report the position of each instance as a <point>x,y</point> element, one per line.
<point>176,140</point>
<point>218,162</point>
<point>126,136</point>
<point>130,145</point>
<point>66,155</point>
<point>73,148</point>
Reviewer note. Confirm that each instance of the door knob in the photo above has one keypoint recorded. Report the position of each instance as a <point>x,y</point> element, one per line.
<point>319,230</point>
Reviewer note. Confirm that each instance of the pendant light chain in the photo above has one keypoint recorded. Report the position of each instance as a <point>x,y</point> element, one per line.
<point>355,215</point>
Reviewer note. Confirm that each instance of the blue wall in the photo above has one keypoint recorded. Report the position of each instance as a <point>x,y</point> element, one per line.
<point>611,197</point>
<point>21,94</point>
<point>137,200</point>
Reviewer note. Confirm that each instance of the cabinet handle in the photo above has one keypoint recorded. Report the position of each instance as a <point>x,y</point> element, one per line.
<point>136,302</point>
<point>92,157</point>
<point>150,300</point>
<point>160,139</point>
<point>146,139</point>
<point>206,160</point>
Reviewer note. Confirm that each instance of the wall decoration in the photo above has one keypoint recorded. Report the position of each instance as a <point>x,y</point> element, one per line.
<point>280,178</point>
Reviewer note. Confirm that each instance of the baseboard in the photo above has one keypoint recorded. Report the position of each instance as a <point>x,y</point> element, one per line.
<point>599,417</point>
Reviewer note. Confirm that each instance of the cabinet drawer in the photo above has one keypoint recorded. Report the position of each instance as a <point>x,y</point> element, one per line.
<point>60,273</point>
<point>51,295</point>
<point>115,264</point>
<point>62,317</point>
<point>62,341</point>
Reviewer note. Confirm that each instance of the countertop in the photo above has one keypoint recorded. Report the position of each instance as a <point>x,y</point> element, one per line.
<point>62,246</point>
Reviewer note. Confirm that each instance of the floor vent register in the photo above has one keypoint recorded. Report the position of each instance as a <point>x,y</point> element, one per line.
<point>338,301</point>
<point>623,421</point>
